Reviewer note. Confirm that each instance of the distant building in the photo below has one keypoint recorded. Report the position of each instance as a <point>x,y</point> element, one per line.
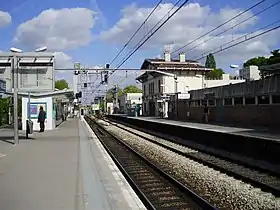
<point>128,101</point>
<point>250,73</point>
<point>2,87</point>
<point>159,81</point>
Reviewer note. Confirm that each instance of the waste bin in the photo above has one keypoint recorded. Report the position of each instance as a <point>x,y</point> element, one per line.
<point>29,127</point>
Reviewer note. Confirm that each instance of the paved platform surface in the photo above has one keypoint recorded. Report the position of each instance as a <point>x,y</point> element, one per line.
<point>55,171</point>
<point>250,132</point>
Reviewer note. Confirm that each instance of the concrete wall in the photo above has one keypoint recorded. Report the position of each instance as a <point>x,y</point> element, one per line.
<point>245,104</point>
<point>253,88</point>
<point>224,81</point>
<point>50,121</point>
<point>265,115</point>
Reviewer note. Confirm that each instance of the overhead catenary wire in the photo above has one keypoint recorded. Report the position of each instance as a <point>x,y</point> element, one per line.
<point>219,26</point>
<point>240,37</point>
<point>238,43</point>
<point>237,24</point>
<point>151,34</point>
<point>135,33</point>
<point>152,29</point>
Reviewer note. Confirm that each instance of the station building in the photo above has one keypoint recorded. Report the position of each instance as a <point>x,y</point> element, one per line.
<point>166,77</point>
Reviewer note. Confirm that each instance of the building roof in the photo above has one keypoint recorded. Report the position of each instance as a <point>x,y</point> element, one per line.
<point>174,64</point>
<point>143,77</point>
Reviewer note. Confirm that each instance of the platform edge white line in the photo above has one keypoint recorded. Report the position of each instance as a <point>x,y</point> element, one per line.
<point>127,191</point>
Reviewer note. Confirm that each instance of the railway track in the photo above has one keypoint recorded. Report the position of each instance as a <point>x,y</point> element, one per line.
<point>156,189</point>
<point>258,179</point>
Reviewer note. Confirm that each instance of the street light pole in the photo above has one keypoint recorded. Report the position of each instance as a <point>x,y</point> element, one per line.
<point>15,96</point>
<point>15,68</point>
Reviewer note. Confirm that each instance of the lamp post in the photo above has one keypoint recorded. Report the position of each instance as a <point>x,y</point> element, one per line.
<point>15,62</point>
<point>165,102</point>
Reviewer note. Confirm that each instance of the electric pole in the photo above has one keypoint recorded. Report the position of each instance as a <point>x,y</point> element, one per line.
<point>15,96</point>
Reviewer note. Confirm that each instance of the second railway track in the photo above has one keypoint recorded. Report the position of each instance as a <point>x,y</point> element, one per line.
<point>258,179</point>
<point>156,189</point>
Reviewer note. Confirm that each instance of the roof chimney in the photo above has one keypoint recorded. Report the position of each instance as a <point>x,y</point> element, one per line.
<point>182,57</point>
<point>167,56</point>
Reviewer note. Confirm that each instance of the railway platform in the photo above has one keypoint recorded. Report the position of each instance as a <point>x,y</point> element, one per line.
<point>261,145</point>
<point>263,133</point>
<point>66,168</point>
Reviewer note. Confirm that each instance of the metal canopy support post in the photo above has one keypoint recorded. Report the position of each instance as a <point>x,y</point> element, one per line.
<point>105,101</point>
<point>28,116</point>
<point>15,94</point>
<point>176,94</point>
<point>29,106</point>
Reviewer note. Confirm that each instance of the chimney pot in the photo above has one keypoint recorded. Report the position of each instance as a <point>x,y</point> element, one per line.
<point>167,56</point>
<point>182,57</point>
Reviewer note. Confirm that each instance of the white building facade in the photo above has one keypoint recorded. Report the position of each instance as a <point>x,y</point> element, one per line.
<point>250,73</point>
<point>128,101</point>
<point>169,76</point>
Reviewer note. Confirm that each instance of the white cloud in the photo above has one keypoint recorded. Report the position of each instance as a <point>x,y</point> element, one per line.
<point>189,23</point>
<point>67,28</point>
<point>5,19</point>
<point>63,60</point>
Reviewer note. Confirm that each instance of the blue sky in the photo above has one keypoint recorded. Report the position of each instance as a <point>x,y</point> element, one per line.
<point>93,40</point>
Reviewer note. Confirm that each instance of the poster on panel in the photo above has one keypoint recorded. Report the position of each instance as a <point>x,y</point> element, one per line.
<point>35,108</point>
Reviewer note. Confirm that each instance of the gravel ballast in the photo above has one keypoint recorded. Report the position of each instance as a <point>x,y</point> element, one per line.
<point>221,190</point>
<point>229,166</point>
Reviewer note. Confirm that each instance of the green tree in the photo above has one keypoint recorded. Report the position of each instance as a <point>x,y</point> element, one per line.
<point>110,94</point>
<point>274,58</point>
<point>257,61</point>
<point>210,61</point>
<point>262,61</point>
<point>215,74</point>
<point>61,84</point>
<point>132,89</point>
<point>4,110</point>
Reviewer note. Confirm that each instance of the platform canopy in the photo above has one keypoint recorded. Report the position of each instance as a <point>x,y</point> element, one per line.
<point>55,94</point>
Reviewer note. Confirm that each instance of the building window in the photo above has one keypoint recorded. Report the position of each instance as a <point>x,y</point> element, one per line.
<point>211,102</point>
<point>159,86</point>
<point>276,99</point>
<point>263,100</point>
<point>238,101</point>
<point>151,88</point>
<point>197,103</point>
<point>228,101</point>
<point>144,90</point>
<point>250,101</point>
